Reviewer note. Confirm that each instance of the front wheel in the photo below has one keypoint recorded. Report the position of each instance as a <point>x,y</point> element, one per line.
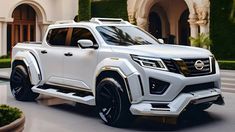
<point>112,102</point>
<point>21,85</point>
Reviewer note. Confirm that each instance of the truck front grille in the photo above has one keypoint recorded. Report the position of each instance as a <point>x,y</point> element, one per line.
<point>206,70</point>
<point>171,66</point>
<point>187,66</point>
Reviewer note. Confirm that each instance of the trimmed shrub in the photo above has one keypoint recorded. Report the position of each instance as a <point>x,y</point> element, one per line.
<point>109,8</point>
<point>230,65</point>
<point>5,63</point>
<point>84,12</point>
<point>8,115</point>
<point>222,29</point>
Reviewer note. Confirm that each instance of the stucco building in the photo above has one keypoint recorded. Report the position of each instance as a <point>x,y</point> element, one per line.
<point>173,20</point>
<point>27,20</point>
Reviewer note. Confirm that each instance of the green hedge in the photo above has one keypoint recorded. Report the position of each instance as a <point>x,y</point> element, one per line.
<point>230,65</point>
<point>222,29</point>
<point>5,63</point>
<point>109,8</point>
<point>84,12</point>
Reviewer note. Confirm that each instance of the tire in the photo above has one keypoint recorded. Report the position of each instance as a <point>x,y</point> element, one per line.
<point>21,85</point>
<point>112,103</point>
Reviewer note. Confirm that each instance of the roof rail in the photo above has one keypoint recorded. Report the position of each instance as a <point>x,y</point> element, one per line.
<point>108,21</point>
<point>64,22</point>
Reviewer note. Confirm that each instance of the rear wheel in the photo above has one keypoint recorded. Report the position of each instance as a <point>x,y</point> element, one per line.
<point>112,103</point>
<point>21,85</point>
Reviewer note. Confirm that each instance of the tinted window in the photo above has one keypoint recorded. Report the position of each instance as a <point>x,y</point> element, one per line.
<point>125,35</point>
<point>57,36</point>
<point>81,33</point>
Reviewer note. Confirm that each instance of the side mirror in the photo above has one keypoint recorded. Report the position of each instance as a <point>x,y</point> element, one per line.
<point>161,40</point>
<point>85,43</point>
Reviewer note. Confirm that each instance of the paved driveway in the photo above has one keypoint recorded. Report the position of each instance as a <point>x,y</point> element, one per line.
<point>55,115</point>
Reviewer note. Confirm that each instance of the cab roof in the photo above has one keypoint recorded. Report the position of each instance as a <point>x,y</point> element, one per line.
<point>93,22</point>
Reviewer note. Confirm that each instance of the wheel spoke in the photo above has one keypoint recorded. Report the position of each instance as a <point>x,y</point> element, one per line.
<point>106,89</point>
<point>105,96</point>
<point>17,78</point>
<point>16,90</point>
<point>17,81</point>
<point>18,74</point>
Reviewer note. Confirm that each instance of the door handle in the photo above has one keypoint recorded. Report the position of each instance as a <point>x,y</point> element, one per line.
<point>44,52</point>
<point>68,54</point>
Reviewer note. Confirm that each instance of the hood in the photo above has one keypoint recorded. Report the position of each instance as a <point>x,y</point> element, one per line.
<point>164,51</point>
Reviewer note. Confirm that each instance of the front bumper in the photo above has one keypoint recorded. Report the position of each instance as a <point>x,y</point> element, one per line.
<point>175,107</point>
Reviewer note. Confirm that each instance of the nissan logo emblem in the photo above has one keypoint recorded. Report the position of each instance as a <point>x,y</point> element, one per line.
<point>199,65</point>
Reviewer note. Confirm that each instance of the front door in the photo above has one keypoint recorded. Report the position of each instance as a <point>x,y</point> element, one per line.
<point>79,64</point>
<point>51,56</point>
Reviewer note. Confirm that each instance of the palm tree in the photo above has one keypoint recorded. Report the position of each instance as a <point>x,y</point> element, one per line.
<point>203,41</point>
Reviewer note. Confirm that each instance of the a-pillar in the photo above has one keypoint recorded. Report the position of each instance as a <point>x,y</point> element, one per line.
<point>3,38</point>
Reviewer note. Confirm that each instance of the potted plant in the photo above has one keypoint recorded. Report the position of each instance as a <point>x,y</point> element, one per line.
<point>11,119</point>
<point>203,41</point>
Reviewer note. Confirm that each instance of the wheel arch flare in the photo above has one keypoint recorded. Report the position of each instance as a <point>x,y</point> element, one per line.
<point>28,59</point>
<point>126,71</point>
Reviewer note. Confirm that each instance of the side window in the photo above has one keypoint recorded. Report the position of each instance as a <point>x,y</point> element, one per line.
<point>57,37</point>
<point>81,33</point>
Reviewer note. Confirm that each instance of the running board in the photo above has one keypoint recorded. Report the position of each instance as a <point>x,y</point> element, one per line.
<point>72,96</point>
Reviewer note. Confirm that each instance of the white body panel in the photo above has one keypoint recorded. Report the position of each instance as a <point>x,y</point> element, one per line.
<point>80,70</point>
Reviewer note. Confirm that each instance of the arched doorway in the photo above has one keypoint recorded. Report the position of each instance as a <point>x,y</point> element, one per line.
<point>155,25</point>
<point>184,29</point>
<point>23,27</point>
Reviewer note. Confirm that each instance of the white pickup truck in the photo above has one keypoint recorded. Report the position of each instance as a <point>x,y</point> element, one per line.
<point>118,67</point>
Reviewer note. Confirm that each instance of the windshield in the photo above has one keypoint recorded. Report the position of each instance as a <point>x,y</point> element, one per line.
<point>125,35</point>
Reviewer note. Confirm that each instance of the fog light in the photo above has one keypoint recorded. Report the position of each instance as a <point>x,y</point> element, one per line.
<point>157,86</point>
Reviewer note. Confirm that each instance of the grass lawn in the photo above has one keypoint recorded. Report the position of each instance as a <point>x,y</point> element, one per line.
<point>227,64</point>
<point>5,63</point>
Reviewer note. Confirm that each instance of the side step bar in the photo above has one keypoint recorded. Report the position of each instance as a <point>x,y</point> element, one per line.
<point>72,96</point>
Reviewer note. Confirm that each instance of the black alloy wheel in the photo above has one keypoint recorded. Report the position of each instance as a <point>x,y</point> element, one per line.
<point>21,85</point>
<point>112,103</point>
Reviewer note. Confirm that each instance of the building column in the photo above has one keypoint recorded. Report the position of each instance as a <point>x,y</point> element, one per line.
<point>1,44</point>
<point>204,28</point>
<point>202,8</point>
<point>43,28</point>
<point>193,25</point>
<point>142,23</point>
<point>3,38</point>
<point>131,10</point>
<point>131,17</point>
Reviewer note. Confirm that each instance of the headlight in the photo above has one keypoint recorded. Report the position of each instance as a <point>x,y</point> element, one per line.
<point>150,62</point>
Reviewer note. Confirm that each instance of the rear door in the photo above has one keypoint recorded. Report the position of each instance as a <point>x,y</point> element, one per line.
<point>51,56</point>
<point>79,64</point>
